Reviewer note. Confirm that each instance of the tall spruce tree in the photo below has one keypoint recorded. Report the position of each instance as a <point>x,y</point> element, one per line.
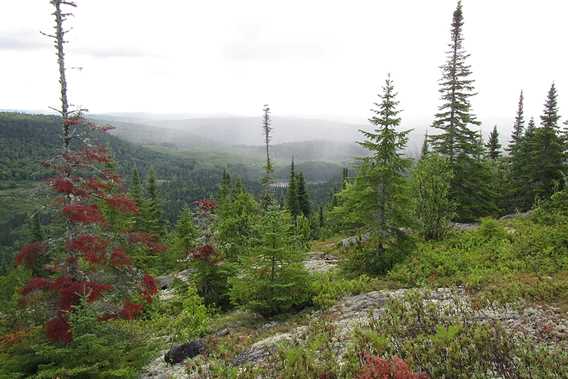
<point>151,210</point>
<point>385,168</point>
<point>303,197</point>
<point>425,147</point>
<point>518,127</point>
<point>458,141</point>
<point>546,170</point>
<point>292,203</point>
<point>493,145</point>
<point>267,196</point>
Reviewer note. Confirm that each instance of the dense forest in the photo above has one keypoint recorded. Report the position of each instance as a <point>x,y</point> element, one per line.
<point>120,260</point>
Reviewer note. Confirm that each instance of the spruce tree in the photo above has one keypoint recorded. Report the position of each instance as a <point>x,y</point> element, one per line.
<point>135,190</point>
<point>151,209</point>
<point>35,228</point>
<point>546,170</point>
<point>493,145</point>
<point>185,233</point>
<point>292,203</point>
<point>518,127</point>
<point>458,141</point>
<point>267,196</point>
<point>225,187</point>
<point>380,188</point>
<point>321,218</point>
<point>424,151</point>
<point>272,277</point>
<point>303,197</point>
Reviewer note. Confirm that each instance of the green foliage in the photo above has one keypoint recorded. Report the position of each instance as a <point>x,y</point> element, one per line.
<point>447,342</point>
<point>493,145</point>
<point>151,209</point>
<point>303,197</point>
<point>491,229</point>
<point>328,288</point>
<point>235,225</point>
<point>193,319</point>
<point>114,349</point>
<point>469,189</point>
<point>272,278</point>
<point>433,208</point>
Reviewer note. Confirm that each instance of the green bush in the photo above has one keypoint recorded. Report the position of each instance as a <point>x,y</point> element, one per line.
<point>111,349</point>
<point>327,288</point>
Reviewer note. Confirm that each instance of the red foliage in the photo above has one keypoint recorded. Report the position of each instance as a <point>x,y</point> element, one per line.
<point>96,185</point>
<point>205,205</point>
<point>70,291</point>
<point>149,288</point>
<point>119,258</point>
<point>130,310</point>
<point>98,154</point>
<point>59,330</point>
<point>72,121</point>
<point>92,247</point>
<point>29,253</point>
<point>86,214</point>
<point>380,368</point>
<point>122,203</point>
<point>148,240</point>
<point>34,284</point>
<point>204,253</point>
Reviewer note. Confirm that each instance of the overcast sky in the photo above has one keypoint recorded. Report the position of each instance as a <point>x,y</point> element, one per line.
<point>315,58</point>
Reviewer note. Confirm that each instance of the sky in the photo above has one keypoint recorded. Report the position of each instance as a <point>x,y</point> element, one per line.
<point>306,58</point>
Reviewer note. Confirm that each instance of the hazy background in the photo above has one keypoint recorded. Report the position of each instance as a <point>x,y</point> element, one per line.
<point>317,59</point>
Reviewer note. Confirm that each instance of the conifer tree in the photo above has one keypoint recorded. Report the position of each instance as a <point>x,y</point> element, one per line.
<point>425,147</point>
<point>272,277</point>
<point>546,169</point>
<point>36,230</point>
<point>377,196</point>
<point>225,188</point>
<point>303,197</point>
<point>321,218</point>
<point>457,140</point>
<point>151,210</point>
<point>493,145</point>
<point>344,177</point>
<point>292,203</point>
<point>518,127</point>
<point>185,233</point>
<point>267,196</point>
<point>135,190</point>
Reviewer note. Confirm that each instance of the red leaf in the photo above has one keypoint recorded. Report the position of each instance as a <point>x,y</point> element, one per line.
<point>34,284</point>
<point>119,258</point>
<point>130,310</point>
<point>29,253</point>
<point>122,203</point>
<point>59,330</point>
<point>92,247</point>
<point>86,214</point>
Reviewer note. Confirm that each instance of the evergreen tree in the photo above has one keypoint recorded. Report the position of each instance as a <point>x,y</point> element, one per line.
<point>185,233</point>
<point>272,277</point>
<point>225,188</point>
<point>36,230</point>
<point>135,190</point>
<point>321,218</point>
<point>377,196</point>
<point>303,197</point>
<point>546,168</point>
<point>235,228</point>
<point>493,145</point>
<point>151,209</point>
<point>431,185</point>
<point>292,203</point>
<point>344,177</point>
<point>550,116</point>
<point>267,196</point>
<point>461,144</point>
<point>518,128</point>
<point>424,151</point>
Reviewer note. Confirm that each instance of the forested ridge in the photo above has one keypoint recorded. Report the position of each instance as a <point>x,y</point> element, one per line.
<point>124,261</point>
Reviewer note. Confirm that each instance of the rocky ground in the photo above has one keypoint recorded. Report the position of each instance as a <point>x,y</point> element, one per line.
<point>544,324</point>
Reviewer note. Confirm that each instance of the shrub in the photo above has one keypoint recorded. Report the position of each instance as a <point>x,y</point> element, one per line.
<point>327,288</point>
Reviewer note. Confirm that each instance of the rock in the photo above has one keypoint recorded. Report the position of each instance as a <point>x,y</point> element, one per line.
<point>165,281</point>
<point>517,215</point>
<point>222,333</point>
<point>262,350</point>
<point>159,369</point>
<point>352,241</point>
<point>320,262</point>
<point>463,227</point>
<point>184,275</point>
<point>179,353</point>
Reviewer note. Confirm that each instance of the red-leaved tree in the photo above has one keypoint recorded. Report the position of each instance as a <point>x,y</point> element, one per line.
<point>89,260</point>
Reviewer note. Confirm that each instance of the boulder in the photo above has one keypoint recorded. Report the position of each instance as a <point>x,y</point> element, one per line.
<point>179,353</point>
